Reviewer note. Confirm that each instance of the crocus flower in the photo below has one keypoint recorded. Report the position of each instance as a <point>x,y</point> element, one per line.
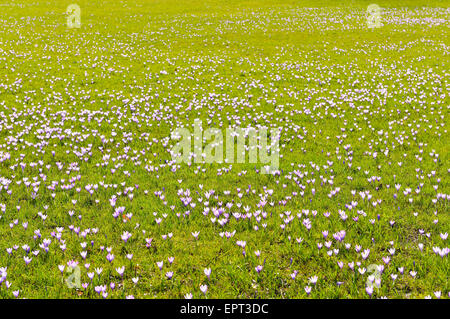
<point>369,290</point>
<point>308,290</point>
<point>120,270</point>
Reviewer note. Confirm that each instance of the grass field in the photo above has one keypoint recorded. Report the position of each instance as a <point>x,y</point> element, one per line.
<point>92,205</point>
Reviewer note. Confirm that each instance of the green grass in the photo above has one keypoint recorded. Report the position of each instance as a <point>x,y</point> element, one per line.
<point>311,67</point>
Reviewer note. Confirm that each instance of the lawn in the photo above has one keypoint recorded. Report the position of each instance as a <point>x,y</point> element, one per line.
<point>94,205</point>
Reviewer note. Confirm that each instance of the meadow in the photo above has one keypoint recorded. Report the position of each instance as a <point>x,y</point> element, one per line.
<point>92,204</point>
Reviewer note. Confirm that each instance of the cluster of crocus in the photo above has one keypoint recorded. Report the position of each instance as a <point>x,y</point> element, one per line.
<point>90,192</point>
